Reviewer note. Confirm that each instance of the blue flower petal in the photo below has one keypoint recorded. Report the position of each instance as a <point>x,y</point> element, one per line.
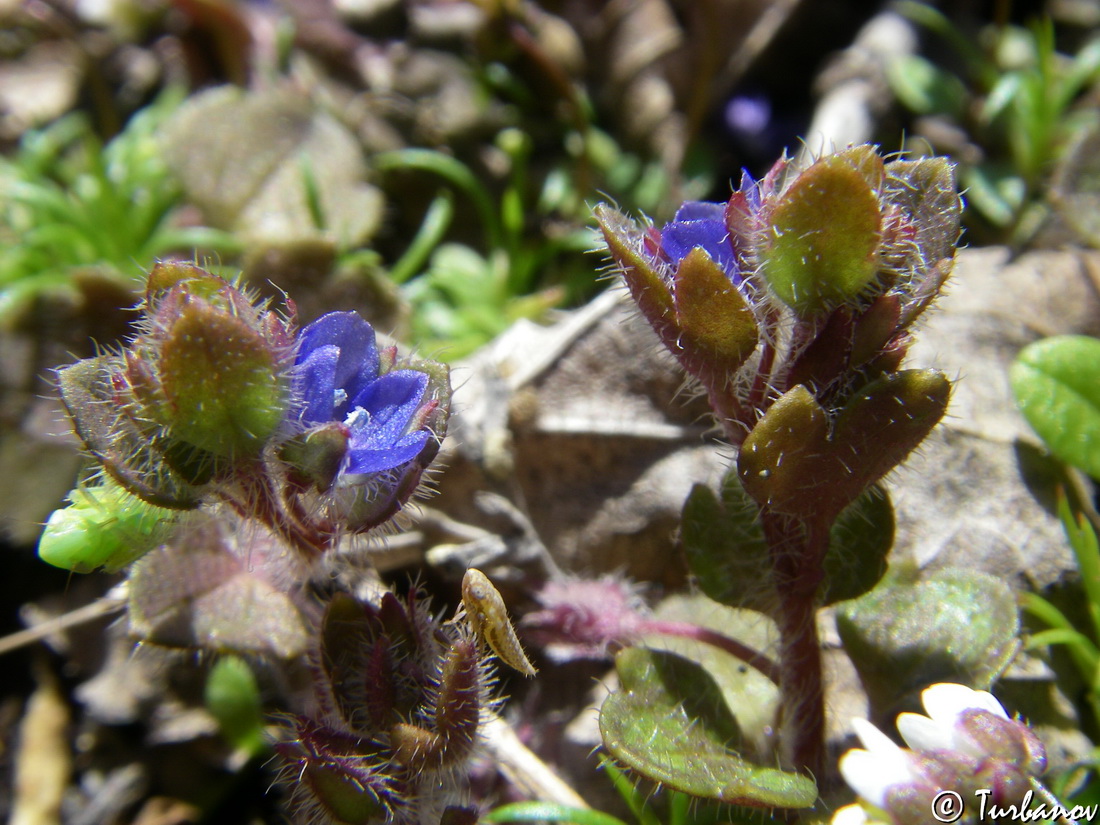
<point>358,362</point>
<point>391,401</point>
<point>379,432</point>
<point>680,237</point>
<point>337,379</point>
<point>375,460</point>
<point>700,211</point>
<point>316,384</point>
<point>750,189</point>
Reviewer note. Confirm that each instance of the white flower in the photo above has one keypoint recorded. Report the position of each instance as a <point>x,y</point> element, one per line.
<point>853,815</point>
<point>966,737</point>
<point>940,730</point>
<point>883,765</point>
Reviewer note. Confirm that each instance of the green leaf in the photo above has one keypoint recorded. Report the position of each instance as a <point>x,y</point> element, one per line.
<point>233,699</point>
<point>669,722</point>
<point>635,797</point>
<point>925,88</point>
<point>1086,549</point>
<point>859,542</point>
<point>454,172</point>
<point>549,812</point>
<point>996,191</point>
<point>119,441</point>
<point>731,561</point>
<point>952,626</point>
<point>1056,382</point>
<point>221,380</point>
<point>1004,92</point>
<point>796,462</point>
<point>725,546</point>
<point>823,246</point>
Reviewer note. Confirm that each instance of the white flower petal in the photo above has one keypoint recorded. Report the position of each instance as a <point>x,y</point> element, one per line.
<point>871,775</point>
<point>850,815</point>
<point>945,702</point>
<point>875,740</point>
<point>922,734</point>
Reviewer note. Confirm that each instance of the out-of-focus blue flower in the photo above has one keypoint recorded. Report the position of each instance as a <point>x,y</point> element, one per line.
<point>338,379</point>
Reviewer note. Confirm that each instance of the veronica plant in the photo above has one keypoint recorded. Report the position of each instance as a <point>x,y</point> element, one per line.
<point>235,452</point>
<point>791,305</point>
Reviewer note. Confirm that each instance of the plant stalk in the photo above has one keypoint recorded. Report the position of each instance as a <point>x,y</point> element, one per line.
<point>798,551</point>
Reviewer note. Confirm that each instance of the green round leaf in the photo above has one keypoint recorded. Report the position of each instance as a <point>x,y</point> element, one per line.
<point>925,88</point>
<point>670,722</point>
<point>951,626</point>
<point>233,699</point>
<point>725,547</point>
<point>859,542</point>
<point>1056,382</point>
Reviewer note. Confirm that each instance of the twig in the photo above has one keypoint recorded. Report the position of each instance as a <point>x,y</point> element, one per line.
<point>525,769</point>
<point>113,602</point>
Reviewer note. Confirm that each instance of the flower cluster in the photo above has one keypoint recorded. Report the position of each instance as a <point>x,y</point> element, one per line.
<point>314,435</point>
<point>966,744</point>
<point>803,277</point>
<point>791,305</point>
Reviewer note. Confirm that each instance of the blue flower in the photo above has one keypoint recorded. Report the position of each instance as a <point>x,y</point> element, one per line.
<point>707,226</point>
<point>699,224</point>
<point>337,379</point>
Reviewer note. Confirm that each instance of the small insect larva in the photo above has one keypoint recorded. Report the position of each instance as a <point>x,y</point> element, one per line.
<point>488,616</point>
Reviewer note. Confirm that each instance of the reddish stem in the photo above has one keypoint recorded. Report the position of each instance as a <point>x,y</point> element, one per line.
<point>254,497</point>
<point>798,551</point>
<point>685,630</point>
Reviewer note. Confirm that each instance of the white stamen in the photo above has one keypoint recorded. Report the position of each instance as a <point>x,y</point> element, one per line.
<point>357,418</point>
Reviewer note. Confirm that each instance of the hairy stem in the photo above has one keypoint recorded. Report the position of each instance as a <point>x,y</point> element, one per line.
<point>254,496</point>
<point>798,551</point>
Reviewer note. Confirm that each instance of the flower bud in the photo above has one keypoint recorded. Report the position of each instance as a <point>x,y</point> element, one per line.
<point>333,774</point>
<point>966,744</point>
<point>686,280</point>
<point>218,374</point>
<point>203,387</point>
<point>1008,740</point>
